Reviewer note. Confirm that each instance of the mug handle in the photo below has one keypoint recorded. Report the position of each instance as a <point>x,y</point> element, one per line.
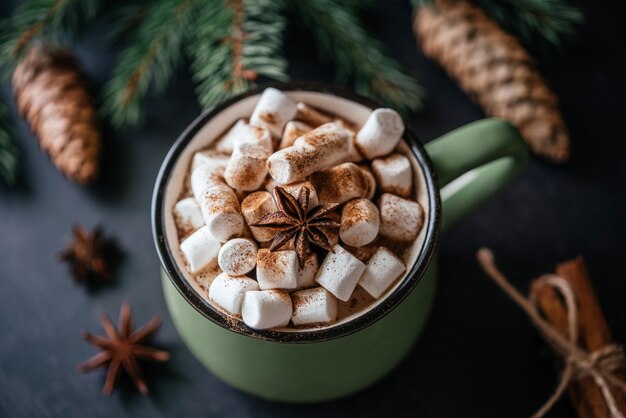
<point>474,162</point>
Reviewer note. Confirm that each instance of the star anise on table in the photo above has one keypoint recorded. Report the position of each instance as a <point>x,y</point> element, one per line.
<point>295,219</point>
<point>121,349</point>
<point>90,254</point>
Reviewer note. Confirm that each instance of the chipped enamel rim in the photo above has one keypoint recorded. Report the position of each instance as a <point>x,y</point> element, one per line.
<point>410,280</point>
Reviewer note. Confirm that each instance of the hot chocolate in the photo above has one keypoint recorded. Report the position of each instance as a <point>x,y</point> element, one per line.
<point>297,218</point>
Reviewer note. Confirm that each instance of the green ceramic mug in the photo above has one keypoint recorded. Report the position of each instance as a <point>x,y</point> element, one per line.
<point>472,162</point>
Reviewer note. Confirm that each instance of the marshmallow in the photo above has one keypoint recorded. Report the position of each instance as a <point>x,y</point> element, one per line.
<point>371,182</point>
<point>340,183</point>
<point>306,274</point>
<point>243,133</point>
<point>237,256</point>
<point>199,249</point>
<point>381,270</point>
<point>294,189</point>
<point>380,134</point>
<point>254,207</point>
<point>400,219</point>
<point>339,273</point>
<point>203,177</point>
<point>394,175</point>
<point>326,138</point>
<point>317,149</point>
<point>187,215</point>
<point>211,158</point>
<point>269,184</point>
<point>266,309</point>
<point>273,110</point>
<point>277,270</point>
<point>354,156</point>
<point>360,221</point>
<point>310,115</point>
<point>228,291</point>
<point>256,135</point>
<point>313,306</point>
<point>293,130</point>
<point>220,210</point>
<point>225,142</point>
<point>247,167</point>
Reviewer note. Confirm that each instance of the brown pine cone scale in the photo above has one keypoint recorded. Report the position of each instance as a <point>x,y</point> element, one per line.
<point>495,70</point>
<point>52,96</point>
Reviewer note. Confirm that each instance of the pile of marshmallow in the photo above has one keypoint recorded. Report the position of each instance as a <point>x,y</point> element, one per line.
<point>315,150</point>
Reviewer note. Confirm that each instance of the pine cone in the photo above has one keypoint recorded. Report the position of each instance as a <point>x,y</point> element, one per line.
<point>495,70</point>
<point>52,96</point>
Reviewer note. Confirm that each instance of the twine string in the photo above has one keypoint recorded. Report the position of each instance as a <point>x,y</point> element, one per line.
<point>578,363</point>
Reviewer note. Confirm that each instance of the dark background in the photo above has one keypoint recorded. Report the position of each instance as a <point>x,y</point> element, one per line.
<point>478,357</point>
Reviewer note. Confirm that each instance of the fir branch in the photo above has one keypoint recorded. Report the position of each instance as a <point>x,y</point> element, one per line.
<point>340,36</point>
<point>124,19</point>
<point>9,152</point>
<point>233,43</point>
<point>149,60</point>
<point>42,19</point>
<point>537,23</point>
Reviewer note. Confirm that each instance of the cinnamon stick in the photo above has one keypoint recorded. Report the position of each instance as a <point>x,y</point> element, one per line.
<point>593,333</point>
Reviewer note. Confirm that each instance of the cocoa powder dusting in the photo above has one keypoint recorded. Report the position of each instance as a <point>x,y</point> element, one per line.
<point>251,161</point>
<point>301,160</point>
<point>354,214</point>
<point>271,261</point>
<point>255,201</point>
<point>332,185</point>
<point>268,117</point>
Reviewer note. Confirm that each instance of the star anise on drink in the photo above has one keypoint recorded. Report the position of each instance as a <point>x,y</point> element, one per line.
<point>121,349</point>
<point>295,219</point>
<point>90,254</point>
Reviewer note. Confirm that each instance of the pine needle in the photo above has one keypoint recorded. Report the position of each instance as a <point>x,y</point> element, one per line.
<point>232,44</point>
<point>358,57</point>
<point>123,20</point>
<point>42,19</point>
<point>149,60</point>
<point>9,152</point>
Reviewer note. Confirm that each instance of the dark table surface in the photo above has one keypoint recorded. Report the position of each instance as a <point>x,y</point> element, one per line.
<point>479,356</point>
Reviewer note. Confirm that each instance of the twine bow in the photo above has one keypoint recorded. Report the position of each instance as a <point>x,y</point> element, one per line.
<point>599,364</point>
